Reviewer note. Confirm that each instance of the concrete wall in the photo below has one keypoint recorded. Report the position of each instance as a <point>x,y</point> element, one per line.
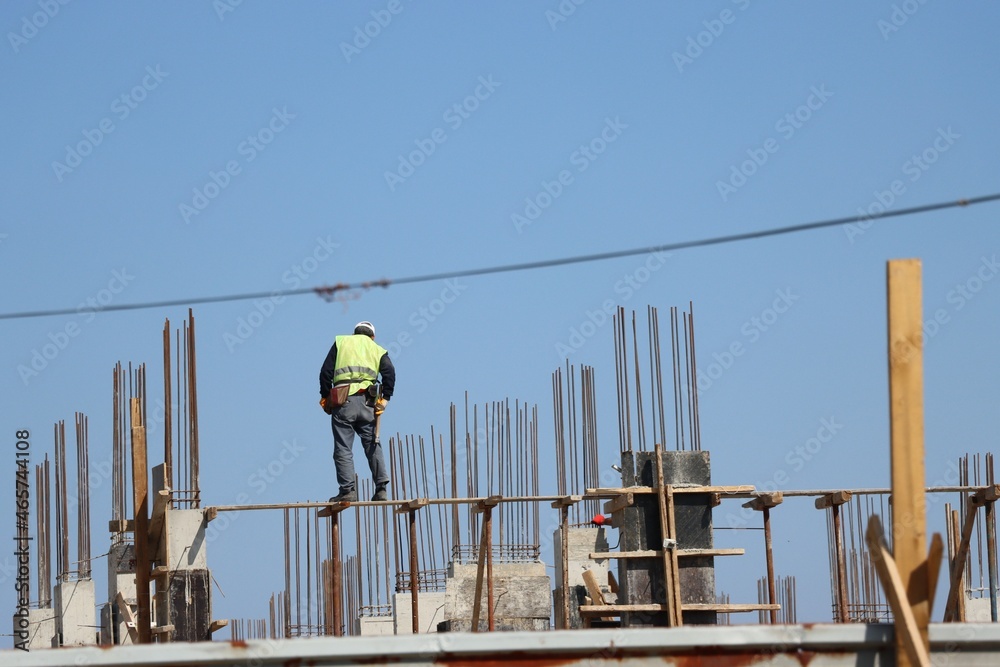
<point>42,629</point>
<point>74,604</point>
<point>430,609</point>
<point>375,626</point>
<point>522,599</point>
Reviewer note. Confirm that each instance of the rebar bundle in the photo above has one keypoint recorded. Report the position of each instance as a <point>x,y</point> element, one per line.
<point>629,382</point>
<point>865,602</point>
<point>180,390</point>
<point>577,462</point>
<point>786,597</point>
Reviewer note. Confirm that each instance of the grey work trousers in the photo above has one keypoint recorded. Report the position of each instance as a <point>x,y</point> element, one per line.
<point>355,416</point>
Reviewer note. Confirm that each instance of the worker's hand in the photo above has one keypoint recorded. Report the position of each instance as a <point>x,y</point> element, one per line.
<point>380,405</point>
<point>323,404</point>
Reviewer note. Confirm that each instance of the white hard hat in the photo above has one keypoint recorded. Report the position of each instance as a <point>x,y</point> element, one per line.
<point>365,327</point>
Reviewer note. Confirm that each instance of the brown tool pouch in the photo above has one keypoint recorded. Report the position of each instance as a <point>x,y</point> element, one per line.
<point>338,395</point>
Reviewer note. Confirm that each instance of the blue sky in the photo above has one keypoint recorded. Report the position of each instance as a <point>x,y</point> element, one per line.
<point>271,147</point>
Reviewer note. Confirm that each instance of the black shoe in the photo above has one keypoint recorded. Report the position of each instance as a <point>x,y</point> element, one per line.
<point>345,497</point>
<point>380,494</point>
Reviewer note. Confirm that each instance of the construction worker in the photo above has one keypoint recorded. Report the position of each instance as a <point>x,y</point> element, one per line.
<point>347,383</point>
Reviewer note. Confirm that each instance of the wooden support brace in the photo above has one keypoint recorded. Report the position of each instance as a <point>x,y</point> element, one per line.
<point>217,625</point>
<point>333,508</point>
<point>126,611</point>
<point>934,556</point>
<point>121,526</point>
<point>412,505</point>
<point>765,500</point>
<point>565,501</point>
<point>895,592</point>
<point>681,553</point>
<point>619,503</point>
<point>486,503</point>
<point>594,590</point>
<point>833,499</point>
<point>958,565</point>
<point>741,490</point>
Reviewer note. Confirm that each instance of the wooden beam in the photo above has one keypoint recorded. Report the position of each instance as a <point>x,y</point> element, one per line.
<point>906,417</point>
<point>907,630</point>
<point>566,501</point>
<point>833,499</point>
<point>121,526</point>
<point>332,508</point>
<point>129,618</point>
<point>681,553</point>
<point>765,500</point>
<point>934,556</point>
<point>742,490</point>
<point>486,503</point>
<point>477,602</point>
<point>594,590</point>
<point>619,503</point>
<point>670,573</point>
<point>732,608</point>
<point>958,565</point>
<point>412,505</point>
<point>140,492</point>
<point>617,609</point>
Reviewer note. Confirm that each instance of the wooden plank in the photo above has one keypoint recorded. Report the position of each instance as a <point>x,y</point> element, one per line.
<point>612,582</point>
<point>906,417</point>
<point>741,490</point>
<point>161,629</point>
<point>765,500</point>
<point>121,526</point>
<point>486,503</point>
<point>958,565</point>
<point>477,602</point>
<point>669,570</point>
<point>619,503</point>
<point>566,501</point>
<point>333,508</point>
<point>140,493</point>
<point>126,611</point>
<point>617,609</point>
<point>732,608</point>
<point>934,556</point>
<point>673,556</point>
<point>681,553</point>
<point>412,505</point>
<point>594,590</point>
<point>217,625</point>
<point>907,630</point>
<point>833,499</point>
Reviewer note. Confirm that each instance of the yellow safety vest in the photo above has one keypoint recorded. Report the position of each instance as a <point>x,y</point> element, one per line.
<point>358,358</point>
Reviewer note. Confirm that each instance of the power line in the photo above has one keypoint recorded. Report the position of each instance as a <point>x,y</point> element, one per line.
<point>327,291</point>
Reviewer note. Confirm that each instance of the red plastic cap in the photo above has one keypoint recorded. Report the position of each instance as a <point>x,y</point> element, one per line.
<point>598,520</point>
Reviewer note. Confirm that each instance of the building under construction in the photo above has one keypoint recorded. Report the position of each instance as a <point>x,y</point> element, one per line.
<point>468,545</point>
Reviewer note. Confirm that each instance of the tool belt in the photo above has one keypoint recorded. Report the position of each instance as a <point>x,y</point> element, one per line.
<point>338,395</point>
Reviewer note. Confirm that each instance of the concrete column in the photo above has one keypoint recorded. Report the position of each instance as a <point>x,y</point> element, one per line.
<point>41,629</point>
<point>522,600</point>
<point>641,580</point>
<point>582,542</point>
<point>430,608</point>
<point>74,604</point>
